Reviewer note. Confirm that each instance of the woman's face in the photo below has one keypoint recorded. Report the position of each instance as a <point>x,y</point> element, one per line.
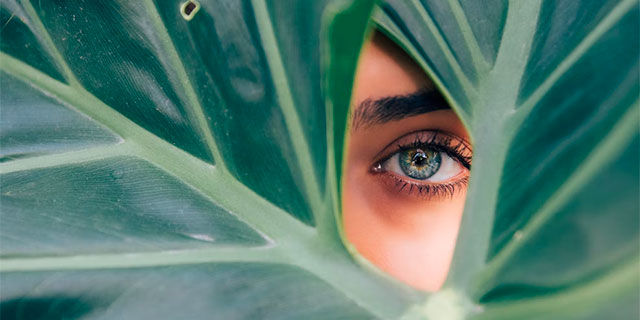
<point>406,171</point>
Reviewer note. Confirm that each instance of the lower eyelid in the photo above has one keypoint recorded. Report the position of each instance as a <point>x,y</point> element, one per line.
<point>424,191</point>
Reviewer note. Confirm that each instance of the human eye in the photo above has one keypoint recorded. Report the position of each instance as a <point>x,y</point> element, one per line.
<point>426,164</point>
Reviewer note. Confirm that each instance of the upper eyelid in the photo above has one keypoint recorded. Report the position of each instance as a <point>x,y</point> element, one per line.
<point>388,151</point>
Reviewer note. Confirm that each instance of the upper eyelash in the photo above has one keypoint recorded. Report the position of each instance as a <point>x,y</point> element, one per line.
<point>434,140</point>
<point>456,152</point>
<point>453,152</point>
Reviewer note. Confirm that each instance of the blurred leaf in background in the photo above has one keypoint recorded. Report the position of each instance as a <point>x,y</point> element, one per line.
<point>180,160</point>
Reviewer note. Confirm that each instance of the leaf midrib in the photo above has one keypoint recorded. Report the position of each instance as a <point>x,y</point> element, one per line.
<point>498,95</point>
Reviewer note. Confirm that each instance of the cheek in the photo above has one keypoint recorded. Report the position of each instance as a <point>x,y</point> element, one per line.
<point>411,239</point>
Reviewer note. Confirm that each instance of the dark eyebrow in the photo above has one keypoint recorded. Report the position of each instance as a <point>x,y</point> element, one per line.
<point>383,110</point>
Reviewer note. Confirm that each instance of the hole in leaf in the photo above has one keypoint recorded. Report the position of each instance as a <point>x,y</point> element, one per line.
<point>398,113</point>
<point>189,9</point>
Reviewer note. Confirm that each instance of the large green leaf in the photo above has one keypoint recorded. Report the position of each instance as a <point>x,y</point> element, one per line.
<point>155,166</point>
<point>549,92</point>
<point>162,167</point>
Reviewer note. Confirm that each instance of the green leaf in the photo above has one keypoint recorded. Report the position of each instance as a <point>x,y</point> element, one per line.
<point>158,167</point>
<point>549,91</point>
<point>155,167</point>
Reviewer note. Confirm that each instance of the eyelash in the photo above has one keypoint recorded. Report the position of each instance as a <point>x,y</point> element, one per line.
<point>428,191</point>
<point>437,141</point>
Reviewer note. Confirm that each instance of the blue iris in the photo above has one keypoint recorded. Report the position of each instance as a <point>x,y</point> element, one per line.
<point>419,164</point>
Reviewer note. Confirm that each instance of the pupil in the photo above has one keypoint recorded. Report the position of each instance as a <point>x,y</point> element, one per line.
<point>419,158</point>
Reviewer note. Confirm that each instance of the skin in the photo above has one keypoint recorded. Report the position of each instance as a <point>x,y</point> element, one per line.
<point>411,238</point>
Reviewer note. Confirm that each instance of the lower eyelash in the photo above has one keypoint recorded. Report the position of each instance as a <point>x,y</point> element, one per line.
<point>431,191</point>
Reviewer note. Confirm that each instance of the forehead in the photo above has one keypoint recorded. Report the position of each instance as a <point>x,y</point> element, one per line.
<point>386,70</point>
